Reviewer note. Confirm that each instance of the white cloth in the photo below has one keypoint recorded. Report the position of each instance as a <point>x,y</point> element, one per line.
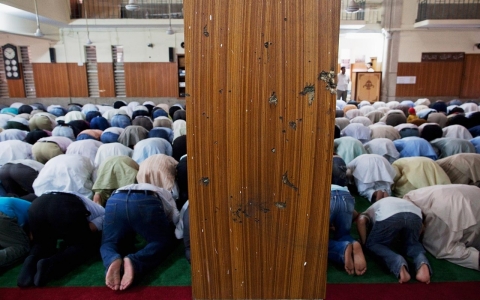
<point>341,104</point>
<point>13,150</point>
<point>392,104</point>
<point>179,128</point>
<point>457,131</point>
<point>362,120</point>
<point>179,227</point>
<point>389,206</point>
<point>469,107</point>
<point>87,148</point>
<point>406,125</point>
<point>384,147</point>
<point>422,101</point>
<point>4,119</point>
<point>379,104</point>
<point>342,81</point>
<point>20,120</point>
<point>372,172</point>
<point>73,116</point>
<point>69,173</point>
<point>169,205</point>
<point>358,131</point>
<point>111,149</point>
<point>12,134</point>
<point>37,166</point>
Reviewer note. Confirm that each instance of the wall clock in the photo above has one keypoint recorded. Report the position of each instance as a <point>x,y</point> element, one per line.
<point>10,60</point>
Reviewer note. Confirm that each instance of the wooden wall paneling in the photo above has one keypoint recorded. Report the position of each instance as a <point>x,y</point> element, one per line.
<point>260,144</point>
<point>151,79</point>
<point>51,80</point>
<point>471,77</point>
<point>167,80</point>
<point>432,79</point>
<point>77,80</point>
<point>106,80</point>
<point>16,88</point>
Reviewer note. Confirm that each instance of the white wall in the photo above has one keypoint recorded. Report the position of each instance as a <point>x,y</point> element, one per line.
<point>414,41</point>
<point>358,44</point>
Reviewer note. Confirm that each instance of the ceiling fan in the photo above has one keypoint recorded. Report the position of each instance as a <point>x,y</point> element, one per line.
<point>352,7</point>
<point>132,5</point>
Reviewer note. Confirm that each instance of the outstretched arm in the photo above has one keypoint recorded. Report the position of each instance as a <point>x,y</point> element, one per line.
<point>362,224</point>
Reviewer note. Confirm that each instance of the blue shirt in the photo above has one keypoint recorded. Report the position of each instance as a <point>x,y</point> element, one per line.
<point>15,208</point>
<point>414,146</point>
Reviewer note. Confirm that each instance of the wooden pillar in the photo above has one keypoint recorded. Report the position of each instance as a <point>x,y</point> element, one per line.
<point>260,141</point>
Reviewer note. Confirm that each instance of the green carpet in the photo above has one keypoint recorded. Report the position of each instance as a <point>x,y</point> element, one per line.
<point>175,271</point>
<point>443,271</point>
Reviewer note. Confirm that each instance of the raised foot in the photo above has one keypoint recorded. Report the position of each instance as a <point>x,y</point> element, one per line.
<point>128,274</point>
<point>359,259</point>
<point>423,274</point>
<point>349,264</point>
<point>404,275</point>
<point>112,279</point>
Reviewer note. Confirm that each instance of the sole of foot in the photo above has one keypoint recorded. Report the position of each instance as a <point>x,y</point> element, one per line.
<point>359,259</point>
<point>349,264</point>
<point>423,274</point>
<point>404,275</point>
<point>128,273</point>
<point>113,278</point>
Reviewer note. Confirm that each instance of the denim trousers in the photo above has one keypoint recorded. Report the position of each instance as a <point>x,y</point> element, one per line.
<point>128,214</point>
<point>341,209</point>
<point>405,225</point>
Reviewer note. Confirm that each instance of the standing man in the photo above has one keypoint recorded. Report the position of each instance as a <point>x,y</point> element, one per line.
<point>342,86</point>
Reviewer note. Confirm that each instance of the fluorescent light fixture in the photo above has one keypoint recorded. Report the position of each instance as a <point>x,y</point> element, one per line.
<point>89,42</point>
<point>38,33</point>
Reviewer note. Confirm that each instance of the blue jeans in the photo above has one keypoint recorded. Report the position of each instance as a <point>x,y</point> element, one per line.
<point>405,225</point>
<point>127,214</point>
<point>121,121</point>
<point>341,209</point>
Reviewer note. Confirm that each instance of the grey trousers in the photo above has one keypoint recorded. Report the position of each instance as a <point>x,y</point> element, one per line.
<point>14,242</point>
<point>342,95</point>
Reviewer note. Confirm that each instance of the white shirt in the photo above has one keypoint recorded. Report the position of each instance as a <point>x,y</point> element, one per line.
<point>342,81</point>
<point>87,148</point>
<point>169,205</point>
<point>14,149</point>
<point>37,166</point>
<point>68,173</point>
<point>389,206</point>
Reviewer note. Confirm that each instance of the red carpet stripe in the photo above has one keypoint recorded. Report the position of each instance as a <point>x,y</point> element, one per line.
<point>412,291</point>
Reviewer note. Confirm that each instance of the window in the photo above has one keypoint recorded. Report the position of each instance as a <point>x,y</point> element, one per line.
<point>118,71</point>
<point>92,71</point>
<point>3,80</point>
<point>28,80</point>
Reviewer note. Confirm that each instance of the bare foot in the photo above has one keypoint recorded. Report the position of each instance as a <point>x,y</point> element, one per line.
<point>112,279</point>
<point>127,278</point>
<point>404,276</point>
<point>359,259</point>
<point>423,274</point>
<point>349,266</point>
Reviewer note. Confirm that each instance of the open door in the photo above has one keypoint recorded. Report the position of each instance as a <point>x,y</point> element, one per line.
<point>260,125</point>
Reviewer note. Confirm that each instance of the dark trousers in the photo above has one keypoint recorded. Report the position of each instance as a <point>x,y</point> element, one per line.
<point>17,179</point>
<point>53,217</point>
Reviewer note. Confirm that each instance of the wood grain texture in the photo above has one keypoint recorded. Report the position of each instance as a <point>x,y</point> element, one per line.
<point>106,80</point>
<point>51,80</point>
<point>77,78</point>
<point>259,173</point>
<point>16,88</point>
<point>471,77</point>
<point>433,79</point>
<point>151,79</point>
